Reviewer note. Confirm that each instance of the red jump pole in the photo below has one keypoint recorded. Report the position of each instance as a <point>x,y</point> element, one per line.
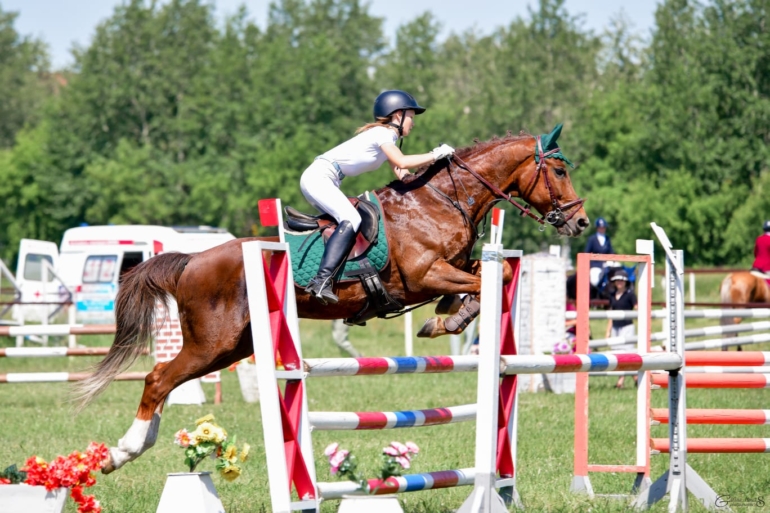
<point>727,358</point>
<point>718,380</point>
<point>717,445</point>
<point>700,416</point>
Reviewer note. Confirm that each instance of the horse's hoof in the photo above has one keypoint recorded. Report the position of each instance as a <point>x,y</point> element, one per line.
<point>449,304</point>
<point>108,467</point>
<point>432,328</point>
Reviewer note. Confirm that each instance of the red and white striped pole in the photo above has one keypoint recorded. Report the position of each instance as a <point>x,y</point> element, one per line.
<point>498,217</point>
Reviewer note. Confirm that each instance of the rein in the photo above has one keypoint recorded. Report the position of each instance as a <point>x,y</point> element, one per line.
<point>556,215</point>
<point>466,218</point>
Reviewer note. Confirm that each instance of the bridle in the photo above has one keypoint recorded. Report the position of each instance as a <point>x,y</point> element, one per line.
<point>556,216</point>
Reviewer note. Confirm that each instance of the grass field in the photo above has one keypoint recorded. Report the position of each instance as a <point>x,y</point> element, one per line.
<point>37,419</point>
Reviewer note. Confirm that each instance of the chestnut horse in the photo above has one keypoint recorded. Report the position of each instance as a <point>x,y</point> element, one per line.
<point>743,287</point>
<point>431,222</point>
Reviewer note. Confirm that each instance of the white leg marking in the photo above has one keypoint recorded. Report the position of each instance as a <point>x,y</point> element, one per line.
<point>139,437</point>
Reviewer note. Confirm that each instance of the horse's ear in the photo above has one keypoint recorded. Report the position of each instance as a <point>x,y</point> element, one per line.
<point>549,140</point>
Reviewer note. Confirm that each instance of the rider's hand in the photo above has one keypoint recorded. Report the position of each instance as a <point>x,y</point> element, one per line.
<point>442,151</point>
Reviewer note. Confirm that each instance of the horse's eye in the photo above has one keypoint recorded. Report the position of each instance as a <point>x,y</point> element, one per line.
<point>560,171</point>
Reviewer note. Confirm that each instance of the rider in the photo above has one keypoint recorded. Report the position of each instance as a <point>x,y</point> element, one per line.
<point>762,251</point>
<point>374,143</point>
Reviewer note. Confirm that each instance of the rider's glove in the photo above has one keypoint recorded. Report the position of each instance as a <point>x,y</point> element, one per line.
<point>442,151</point>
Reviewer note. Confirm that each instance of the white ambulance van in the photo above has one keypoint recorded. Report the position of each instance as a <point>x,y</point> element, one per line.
<point>91,260</point>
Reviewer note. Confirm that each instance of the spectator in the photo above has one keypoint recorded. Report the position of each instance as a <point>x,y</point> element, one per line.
<point>599,243</point>
<point>622,299</point>
<point>762,251</point>
<point>340,335</point>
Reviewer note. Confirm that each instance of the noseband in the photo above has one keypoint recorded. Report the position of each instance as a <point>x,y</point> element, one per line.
<point>556,216</point>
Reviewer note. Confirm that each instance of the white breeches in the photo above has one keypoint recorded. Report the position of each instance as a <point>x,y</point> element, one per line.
<point>321,187</point>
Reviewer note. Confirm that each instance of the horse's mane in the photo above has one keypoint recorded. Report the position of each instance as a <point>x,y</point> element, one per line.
<point>467,151</point>
<point>479,146</point>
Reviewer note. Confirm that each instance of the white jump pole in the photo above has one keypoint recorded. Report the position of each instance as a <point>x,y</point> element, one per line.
<point>692,288</point>
<point>408,330</point>
<point>484,498</point>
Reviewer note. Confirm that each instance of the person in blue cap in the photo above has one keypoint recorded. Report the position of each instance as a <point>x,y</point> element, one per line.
<point>599,243</point>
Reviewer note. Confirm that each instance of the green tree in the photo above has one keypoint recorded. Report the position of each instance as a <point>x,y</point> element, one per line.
<point>24,79</point>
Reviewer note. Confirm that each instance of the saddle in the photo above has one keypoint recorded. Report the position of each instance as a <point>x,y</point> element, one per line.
<point>367,258</point>
<point>761,275</point>
<point>297,221</point>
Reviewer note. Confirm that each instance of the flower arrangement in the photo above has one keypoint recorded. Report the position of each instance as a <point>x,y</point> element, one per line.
<point>209,439</point>
<point>73,472</point>
<point>395,458</point>
<point>563,347</point>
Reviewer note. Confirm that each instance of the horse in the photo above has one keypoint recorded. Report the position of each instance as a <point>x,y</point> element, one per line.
<point>431,222</point>
<point>742,287</point>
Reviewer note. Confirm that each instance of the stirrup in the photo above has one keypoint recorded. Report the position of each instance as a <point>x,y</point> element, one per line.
<point>322,291</point>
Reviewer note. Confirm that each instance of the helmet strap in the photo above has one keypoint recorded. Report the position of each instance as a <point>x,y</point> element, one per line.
<point>400,127</point>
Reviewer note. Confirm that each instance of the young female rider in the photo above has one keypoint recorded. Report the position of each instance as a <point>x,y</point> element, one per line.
<point>374,143</point>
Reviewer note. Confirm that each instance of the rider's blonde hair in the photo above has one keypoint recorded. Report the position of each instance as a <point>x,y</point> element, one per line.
<point>379,122</point>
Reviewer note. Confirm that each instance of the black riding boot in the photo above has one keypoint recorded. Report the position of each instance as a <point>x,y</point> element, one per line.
<point>337,248</point>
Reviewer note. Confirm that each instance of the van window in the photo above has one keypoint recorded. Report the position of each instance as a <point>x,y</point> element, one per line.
<point>130,260</point>
<point>33,267</point>
<point>100,269</point>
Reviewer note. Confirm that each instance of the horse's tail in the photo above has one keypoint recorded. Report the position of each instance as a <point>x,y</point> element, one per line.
<point>725,295</point>
<point>141,289</point>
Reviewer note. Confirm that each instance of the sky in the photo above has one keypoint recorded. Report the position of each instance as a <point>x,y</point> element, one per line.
<point>62,23</point>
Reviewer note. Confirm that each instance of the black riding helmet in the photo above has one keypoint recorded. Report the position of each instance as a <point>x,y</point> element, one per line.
<point>390,102</point>
<point>766,226</point>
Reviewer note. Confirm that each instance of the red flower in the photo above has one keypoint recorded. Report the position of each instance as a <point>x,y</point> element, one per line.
<point>96,454</point>
<point>4,480</point>
<point>86,503</point>
<point>73,471</point>
<point>37,472</point>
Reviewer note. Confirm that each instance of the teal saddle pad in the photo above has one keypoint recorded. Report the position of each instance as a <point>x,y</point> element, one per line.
<point>307,250</point>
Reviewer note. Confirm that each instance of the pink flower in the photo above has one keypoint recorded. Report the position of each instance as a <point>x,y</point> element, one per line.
<point>182,438</point>
<point>331,449</point>
<point>412,447</point>
<point>403,461</point>
<point>337,459</point>
<point>401,448</point>
<point>391,451</point>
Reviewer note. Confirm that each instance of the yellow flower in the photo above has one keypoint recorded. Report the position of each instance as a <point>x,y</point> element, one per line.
<point>220,435</point>
<point>231,454</point>
<point>231,472</point>
<point>207,418</point>
<point>208,432</point>
<point>245,452</point>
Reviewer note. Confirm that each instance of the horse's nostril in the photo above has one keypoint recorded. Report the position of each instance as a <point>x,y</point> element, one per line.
<point>582,222</point>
